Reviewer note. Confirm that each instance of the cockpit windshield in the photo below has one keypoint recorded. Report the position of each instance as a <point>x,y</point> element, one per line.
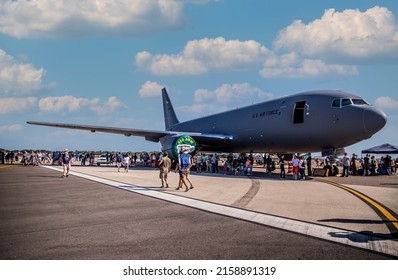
<point>345,102</point>
<point>338,103</point>
<point>359,102</point>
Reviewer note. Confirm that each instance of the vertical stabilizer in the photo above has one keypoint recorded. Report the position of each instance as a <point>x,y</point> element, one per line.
<point>170,117</point>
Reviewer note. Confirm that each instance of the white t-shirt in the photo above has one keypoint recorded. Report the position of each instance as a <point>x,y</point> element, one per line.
<point>346,161</point>
<point>126,160</point>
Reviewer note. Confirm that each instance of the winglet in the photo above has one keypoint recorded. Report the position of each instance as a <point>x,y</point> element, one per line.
<point>170,117</point>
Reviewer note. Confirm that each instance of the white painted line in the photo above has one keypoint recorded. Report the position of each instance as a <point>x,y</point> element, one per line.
<point>351,238</point>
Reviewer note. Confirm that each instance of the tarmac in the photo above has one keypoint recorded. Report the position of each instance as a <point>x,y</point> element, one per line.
<point>99,213</point>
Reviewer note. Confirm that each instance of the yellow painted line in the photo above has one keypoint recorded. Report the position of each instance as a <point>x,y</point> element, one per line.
<point>379,207</point>
<point>5,166</point>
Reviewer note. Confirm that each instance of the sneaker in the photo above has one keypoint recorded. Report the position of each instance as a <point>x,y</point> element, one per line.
<point>186,189</point>
<point>191,187</point>
<point>177,188</point>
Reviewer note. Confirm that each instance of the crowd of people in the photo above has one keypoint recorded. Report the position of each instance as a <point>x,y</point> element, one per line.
<point>364,166</point>
<point>25,157</point>
<point>232,164</point>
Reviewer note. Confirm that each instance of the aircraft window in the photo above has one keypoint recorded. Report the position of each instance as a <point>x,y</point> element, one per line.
<point>359,102</point>
<point>298,116</point>
<point>336,103</point>
<point>346,102</point>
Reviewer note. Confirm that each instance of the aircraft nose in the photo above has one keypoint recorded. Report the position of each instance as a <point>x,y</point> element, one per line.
<point>373,120</point>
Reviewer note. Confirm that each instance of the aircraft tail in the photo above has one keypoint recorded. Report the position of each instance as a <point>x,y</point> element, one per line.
<point>170,117</point>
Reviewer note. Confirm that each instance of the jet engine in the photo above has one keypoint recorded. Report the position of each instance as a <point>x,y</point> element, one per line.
<point>175,144</point>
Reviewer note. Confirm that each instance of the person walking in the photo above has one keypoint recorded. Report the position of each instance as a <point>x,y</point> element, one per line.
<point>198,163</point>
<point>366,165</point>
<point>309,164</point>
<point>183,166</point>
<point>164,164</point>
<point>346,165</point>
<point>373,166</point>
<point>354,165</point>
<point>214,163</point>
<point>119,159</point>
<point>282,167</point>
<point>269,164</point>
<point>295,162</point>
<point>66,163</point>
<point>302,168</point>
<point>126,163</point>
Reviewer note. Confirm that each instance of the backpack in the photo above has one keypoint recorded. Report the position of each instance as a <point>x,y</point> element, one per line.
<point>119,158</point>
<point>185,161</point>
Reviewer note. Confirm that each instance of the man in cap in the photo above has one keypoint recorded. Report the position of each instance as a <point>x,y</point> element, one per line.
<point>66,163</point>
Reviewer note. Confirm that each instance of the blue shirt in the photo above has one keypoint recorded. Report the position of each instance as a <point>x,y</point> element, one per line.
<point>66,159</point>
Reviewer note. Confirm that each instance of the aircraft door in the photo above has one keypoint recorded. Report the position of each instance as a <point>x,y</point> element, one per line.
<point>298,114</point>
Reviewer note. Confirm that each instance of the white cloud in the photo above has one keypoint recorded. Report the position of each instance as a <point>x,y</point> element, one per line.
<point>149,89</point>
<point>14,128</point>
<point>201,56</point>
<point>16,105</point>
<point>349,33</point>
<point>18,78</point>
<point>291,66</point>
<point>111,105</point>
<point>198,110</point>
<point>55,104</point>
<point>205,55</point>
<point>48,18</point>
<point>227,94</point>
<point>387,102</point>
<point>226,97</point>
<point>65,103</point>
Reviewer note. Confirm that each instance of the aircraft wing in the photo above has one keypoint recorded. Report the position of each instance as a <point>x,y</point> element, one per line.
<point>150,135</point>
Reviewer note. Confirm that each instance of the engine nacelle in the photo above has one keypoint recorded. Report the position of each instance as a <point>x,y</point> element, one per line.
<point>174,144</point>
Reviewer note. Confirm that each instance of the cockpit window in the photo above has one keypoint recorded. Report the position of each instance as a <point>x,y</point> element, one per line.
<point>336,103</point>
<point>359,102</point>
<point>345,102</point>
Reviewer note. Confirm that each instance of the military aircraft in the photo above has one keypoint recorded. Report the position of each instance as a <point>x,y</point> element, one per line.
<point>315,121</point>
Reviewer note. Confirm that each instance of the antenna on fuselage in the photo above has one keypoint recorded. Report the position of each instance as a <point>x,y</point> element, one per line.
<point>170,117</point>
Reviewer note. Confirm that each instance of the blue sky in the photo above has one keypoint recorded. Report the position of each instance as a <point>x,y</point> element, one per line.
<point>105,63</point>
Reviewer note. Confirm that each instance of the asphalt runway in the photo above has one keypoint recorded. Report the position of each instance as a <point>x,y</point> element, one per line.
<point>44,216</point>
